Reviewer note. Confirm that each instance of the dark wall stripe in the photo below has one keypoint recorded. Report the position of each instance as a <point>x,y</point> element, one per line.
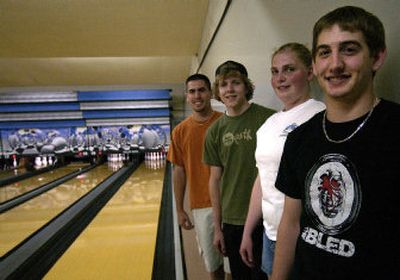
<point>125,113</point>
<point>123,95</point>
<point>39,107</point>
<point>129,121</point>
<point>41,116</point>
<point>42,124</point>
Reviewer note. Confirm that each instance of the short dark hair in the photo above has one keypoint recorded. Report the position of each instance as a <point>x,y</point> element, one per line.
<point>232,68</point>
<point>353,19</point>
<point>196,77</point>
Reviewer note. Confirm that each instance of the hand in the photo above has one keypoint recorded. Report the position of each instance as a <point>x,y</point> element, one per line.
<point>246,250</point>
<point>219,241</point>
<point>184,220</point>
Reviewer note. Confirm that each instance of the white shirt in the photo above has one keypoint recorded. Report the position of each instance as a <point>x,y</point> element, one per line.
<point>271,137</point>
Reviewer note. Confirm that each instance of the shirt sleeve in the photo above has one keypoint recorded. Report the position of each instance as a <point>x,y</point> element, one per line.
<point>286,180</point>
<point>175,152</point>
<point>210,154</point>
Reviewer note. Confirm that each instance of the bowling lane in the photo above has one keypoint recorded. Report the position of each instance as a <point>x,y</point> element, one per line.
<point>18,188</point>
<point>19,222</point>
<point>12,172</point>
<point>120,242</point>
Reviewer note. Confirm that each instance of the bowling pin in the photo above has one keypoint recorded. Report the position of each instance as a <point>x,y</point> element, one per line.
<point>15,164</point>
<point>38,162</point>
<point>50,160</point>
<point>44,161</point>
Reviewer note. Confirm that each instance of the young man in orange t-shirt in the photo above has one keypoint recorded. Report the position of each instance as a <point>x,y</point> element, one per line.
<point>185,152</point>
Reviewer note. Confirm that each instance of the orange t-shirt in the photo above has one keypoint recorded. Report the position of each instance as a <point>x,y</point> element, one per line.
<point>186,150</point>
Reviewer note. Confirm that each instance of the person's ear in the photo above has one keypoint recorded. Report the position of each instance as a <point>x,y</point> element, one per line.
<point>310,74</point>
<point>379,59</point>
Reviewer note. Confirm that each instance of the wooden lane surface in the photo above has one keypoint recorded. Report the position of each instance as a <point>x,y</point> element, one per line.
<point>15,189</point>
<point>21,221</point>
<point>120,242</point>
<point>12,172</point>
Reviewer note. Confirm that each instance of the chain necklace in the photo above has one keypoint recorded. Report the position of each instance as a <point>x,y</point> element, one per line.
<point>355,131</point>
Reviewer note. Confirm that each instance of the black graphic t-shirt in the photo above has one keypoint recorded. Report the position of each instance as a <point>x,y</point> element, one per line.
<point>350,206</point>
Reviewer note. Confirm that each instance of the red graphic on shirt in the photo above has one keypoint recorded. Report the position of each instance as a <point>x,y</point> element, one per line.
<point>331,193</point>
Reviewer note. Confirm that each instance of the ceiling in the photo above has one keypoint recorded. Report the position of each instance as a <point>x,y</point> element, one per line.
<point>98,42</point>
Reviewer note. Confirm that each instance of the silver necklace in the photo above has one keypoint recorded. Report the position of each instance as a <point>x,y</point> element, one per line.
<point>354,132</point>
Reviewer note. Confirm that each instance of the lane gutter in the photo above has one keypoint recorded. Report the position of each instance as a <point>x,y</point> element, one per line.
<point>33,257</point>
<point>14,202</point>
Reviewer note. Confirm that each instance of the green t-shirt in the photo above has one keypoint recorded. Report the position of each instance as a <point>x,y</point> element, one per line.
<point>231,144</point>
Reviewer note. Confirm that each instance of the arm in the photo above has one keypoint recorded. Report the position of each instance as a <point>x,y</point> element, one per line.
<point>179,190</point>
<point>288,232</point>
<point>215,196</point>
<point>253,217</point>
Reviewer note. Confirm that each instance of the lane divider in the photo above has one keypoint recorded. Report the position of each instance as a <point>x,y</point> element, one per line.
<point>33,257</point>
<point>28,174</point>
<point>11,203</point>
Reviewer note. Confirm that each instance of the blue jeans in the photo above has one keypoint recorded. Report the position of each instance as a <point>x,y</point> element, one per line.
<point>268,252</point>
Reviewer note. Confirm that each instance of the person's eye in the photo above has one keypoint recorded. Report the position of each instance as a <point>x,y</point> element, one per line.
<point>323,53</point>
<point>290,69</point>
<point>350,50</point>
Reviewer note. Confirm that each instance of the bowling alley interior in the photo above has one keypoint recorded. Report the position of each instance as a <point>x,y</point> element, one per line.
<point>90,92</point>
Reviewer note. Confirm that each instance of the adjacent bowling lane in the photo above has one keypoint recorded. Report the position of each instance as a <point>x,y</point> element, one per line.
<point>26,185</point>
<point>19,222</point>
<point>120,242</point>
<point>12,172</point>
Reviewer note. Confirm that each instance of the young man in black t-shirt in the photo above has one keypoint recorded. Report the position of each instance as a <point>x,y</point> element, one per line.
<point>339,171</point>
